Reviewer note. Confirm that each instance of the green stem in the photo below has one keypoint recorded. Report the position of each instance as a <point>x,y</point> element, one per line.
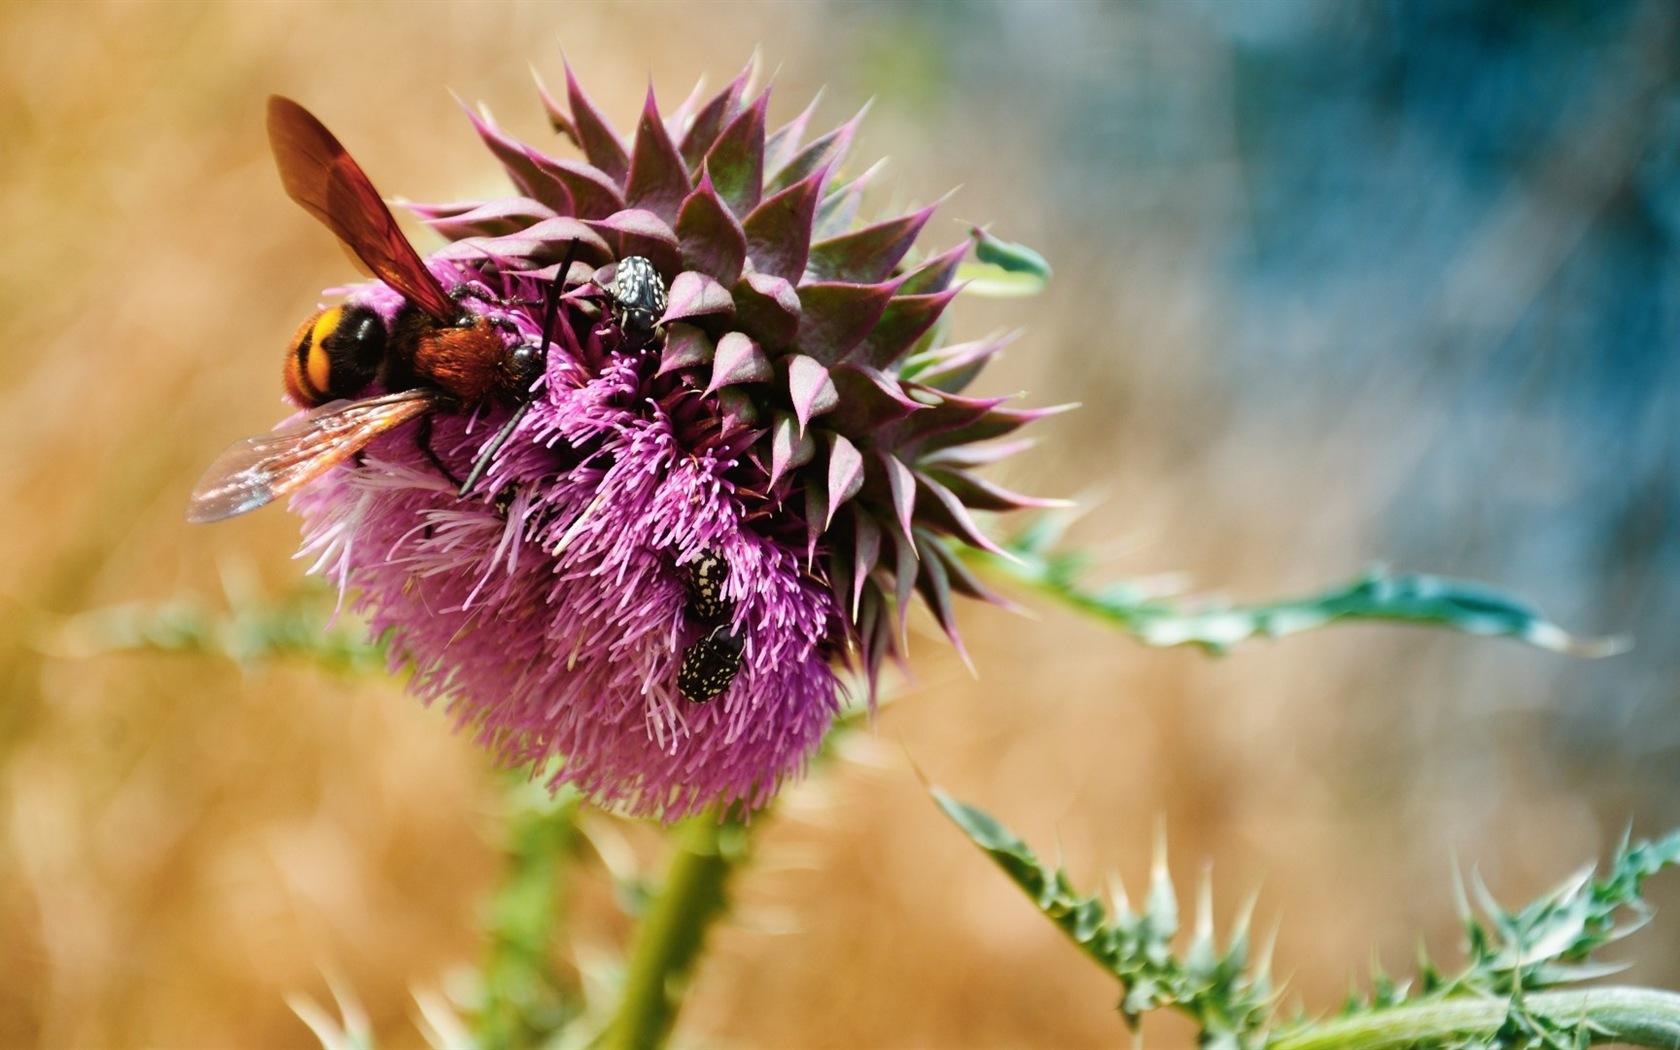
<point>523,1003</point>
<point>674,930</point>
<point>1629,1016</point>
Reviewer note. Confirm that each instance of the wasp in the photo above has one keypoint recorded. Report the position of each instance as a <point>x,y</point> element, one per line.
<point>710,664</point>
<point>433,356</point>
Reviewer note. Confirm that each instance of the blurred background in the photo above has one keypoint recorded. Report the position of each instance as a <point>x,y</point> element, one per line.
<point>1335,282</point>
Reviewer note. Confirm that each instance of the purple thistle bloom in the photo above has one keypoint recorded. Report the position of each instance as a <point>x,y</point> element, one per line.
<point>738,485</point>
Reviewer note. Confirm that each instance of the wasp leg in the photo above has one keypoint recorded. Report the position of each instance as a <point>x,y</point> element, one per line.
<point>423,438</point>
<point>466,291</point>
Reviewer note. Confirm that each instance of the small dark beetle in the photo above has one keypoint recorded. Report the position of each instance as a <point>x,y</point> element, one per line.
<point>710,664</point>
<point>638,294</point>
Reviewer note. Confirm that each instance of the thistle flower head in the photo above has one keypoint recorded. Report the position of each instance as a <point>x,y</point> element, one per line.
<point>749,450</point>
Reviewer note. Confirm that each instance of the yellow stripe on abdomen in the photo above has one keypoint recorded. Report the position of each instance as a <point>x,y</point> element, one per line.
<point>320,365</point>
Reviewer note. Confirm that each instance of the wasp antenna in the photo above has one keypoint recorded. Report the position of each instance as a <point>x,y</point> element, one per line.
<point>566,263</point>
<point>556,288</point>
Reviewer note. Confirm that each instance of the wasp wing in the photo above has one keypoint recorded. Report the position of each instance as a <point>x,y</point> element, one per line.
<point>321,175</point>
<point>260,470</point>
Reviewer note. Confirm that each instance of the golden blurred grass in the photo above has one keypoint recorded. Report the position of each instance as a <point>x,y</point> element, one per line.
<point>182,845</point>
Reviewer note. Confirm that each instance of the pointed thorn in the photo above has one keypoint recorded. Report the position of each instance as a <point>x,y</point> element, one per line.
<point>1117,898</point>
<point>1204,907</point>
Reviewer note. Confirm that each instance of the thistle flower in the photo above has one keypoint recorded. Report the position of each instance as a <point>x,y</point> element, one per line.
<point>719,495</point>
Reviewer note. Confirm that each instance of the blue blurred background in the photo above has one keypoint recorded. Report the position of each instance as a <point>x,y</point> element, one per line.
<point>1423,255</point>
<point>1336,282</point>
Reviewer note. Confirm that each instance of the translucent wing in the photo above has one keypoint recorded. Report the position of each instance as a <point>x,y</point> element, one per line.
<point>320,174</point>
<point>260,470</point>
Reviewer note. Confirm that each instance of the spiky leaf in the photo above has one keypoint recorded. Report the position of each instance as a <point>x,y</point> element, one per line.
<point>1230,1002</point>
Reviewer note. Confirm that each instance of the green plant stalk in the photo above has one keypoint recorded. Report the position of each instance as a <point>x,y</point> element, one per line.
<point>673,931</point>
<point>251,634</point>
<point>522,1002</point>
<point>1627,1016</point>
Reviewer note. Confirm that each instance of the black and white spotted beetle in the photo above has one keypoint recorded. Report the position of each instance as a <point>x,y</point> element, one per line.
<point>707,576</point>
<point>638,294</point>
<point>710,664</point>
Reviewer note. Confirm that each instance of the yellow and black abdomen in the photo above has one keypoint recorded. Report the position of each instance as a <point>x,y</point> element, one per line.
<point>334,355</point>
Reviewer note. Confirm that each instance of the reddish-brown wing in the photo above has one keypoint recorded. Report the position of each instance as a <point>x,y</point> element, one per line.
<point>320,174</point>
<point>260,470</point>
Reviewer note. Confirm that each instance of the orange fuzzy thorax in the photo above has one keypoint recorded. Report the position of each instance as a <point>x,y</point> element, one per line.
<point>464,362</point>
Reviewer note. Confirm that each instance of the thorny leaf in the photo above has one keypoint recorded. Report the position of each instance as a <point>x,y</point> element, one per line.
<point>1150,611</point>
